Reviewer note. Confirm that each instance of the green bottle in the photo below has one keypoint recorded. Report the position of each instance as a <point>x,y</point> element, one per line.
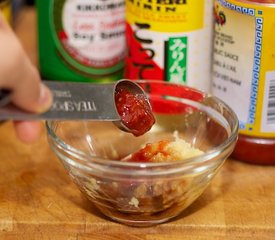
<point>81,40</point>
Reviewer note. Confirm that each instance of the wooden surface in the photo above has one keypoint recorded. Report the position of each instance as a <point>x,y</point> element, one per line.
<point>39,201</point>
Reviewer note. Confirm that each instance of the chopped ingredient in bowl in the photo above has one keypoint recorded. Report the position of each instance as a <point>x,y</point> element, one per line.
<point>164,151</point>
<point>156,195</point>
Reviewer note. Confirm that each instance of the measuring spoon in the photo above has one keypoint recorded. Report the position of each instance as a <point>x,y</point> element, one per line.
<point>76,101</point>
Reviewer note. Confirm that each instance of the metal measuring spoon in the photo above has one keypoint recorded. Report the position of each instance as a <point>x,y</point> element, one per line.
<point>75,101</point>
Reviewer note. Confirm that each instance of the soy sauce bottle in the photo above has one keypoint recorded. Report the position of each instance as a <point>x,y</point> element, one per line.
<point>81,40</point>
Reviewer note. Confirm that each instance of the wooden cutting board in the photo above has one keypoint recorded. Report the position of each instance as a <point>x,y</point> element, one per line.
<point>39,201</point>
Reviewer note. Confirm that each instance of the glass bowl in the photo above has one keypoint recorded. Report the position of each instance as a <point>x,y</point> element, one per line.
<point>148,193</point>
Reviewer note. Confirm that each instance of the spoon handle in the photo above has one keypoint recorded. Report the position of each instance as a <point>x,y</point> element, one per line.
<point>72,100</point>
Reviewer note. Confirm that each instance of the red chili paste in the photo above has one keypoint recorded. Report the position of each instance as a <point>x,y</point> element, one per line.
<point>147,153</point>
<point>134,110</point>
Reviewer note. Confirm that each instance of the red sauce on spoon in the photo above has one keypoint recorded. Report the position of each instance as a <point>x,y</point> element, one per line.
<point>134,110</point>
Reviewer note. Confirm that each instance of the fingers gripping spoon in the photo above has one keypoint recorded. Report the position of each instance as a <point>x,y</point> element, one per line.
<point>86,101</point>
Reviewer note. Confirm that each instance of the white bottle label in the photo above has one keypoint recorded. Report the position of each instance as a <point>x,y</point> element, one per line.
<point>243,64</point>
<point>95,28</point>
<point>90,35</point>
<point>233,62</point>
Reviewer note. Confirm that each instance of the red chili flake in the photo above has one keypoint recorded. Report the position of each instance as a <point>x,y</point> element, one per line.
<point>135,111</point>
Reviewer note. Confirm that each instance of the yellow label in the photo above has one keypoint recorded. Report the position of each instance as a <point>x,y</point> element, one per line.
<point>244,63</point>
<point>5,8</point>
<point>167,15</point>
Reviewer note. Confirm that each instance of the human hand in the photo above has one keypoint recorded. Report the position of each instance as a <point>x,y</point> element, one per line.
<point>18,74</point>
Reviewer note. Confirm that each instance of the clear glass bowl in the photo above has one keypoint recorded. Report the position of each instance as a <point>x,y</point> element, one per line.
<point>143,194</point>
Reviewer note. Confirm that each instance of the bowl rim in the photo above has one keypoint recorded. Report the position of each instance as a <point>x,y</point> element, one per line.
<point>198,160</point>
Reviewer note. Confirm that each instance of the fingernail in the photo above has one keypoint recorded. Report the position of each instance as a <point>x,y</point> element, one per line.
<point>45,98</point>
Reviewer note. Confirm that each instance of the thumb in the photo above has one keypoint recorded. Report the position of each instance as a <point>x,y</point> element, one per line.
<point>31,94</point>
<point>18,74</point>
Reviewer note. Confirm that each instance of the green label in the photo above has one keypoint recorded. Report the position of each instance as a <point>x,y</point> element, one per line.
<point>177,59</point>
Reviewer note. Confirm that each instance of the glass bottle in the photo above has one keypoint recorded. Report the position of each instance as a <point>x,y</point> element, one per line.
<point>81,40</point>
